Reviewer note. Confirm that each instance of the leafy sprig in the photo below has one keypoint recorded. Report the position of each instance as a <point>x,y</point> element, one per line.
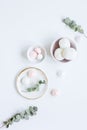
<point>36,86</point>
<point>31,111</point>
<point>73,25</point>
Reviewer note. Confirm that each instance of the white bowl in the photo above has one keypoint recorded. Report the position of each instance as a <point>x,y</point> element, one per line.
<point>55,45</point>
<point>35,61</point>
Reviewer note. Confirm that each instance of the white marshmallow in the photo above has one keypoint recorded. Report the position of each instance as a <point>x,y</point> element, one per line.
<point>60,73</point>
<point>39,56</point>
<point>69,53</point>
<point>64,43</point>
<point>58,54</point>
<point>25,81</point>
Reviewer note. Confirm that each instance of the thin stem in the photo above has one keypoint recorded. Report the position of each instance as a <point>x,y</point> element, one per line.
<point>18,116</point>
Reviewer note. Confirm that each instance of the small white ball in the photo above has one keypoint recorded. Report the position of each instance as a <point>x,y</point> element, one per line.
<point>25,81</point>
<point>69,53</point>
<point>60,73</point>
<point>39,56</point>
<point>58,54</point>
<point>55,92</point>
<point>64,43</point>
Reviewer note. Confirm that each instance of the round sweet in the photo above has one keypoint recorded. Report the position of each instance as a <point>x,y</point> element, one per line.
<point>64,43</point>
<point>69,53</point>
<point>60,73</point>
<point>25,81</point>
<point>39,56</point>
<point>58,54</point>
<point>33,54</point>
<point>55,92</point>
<point>38,50</point>
<point>31,73</point>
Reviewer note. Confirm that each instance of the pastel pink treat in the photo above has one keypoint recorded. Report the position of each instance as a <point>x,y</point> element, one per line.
<point>31,73</point>
<point>38,50</point>
<point>33,54</point>
<point>55,92</point>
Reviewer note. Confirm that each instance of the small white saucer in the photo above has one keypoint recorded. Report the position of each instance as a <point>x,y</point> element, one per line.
<point>35,61</point>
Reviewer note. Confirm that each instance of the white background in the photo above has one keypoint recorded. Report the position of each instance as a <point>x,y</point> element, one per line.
<point>22,21</point>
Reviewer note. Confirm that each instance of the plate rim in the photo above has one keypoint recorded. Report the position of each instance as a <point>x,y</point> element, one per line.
<point>21,73</point>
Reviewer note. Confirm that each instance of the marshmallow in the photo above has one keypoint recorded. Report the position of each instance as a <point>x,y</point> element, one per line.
<point>39,56</point>
<point>25,81</point>
<point>69,53</point>
<point>55,92</point>
<point>31,73</point>
<point>33,54</point>
<point>64,43</point>
<point>38,50</point>
<point>58,54</point>
<point>60,73</point>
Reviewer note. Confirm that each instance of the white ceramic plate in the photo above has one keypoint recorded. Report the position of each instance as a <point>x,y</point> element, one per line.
<point>39,75</point>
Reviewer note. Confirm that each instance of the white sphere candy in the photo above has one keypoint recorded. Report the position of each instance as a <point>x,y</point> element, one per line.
<point>33,54</point>
<point>69,53</point>
<point>39,56</point>
<point>25,81</point>
<point>58,54</point>
<point>60,73</point>
<point>31,73</point>
<point>64,43</point>
<point>55,92</point>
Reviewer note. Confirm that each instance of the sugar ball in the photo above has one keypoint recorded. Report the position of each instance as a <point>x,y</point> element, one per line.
<point>55,92</point>
<point>33,54</point>
<point>39,56</point>
<point>58,54</point>
<point>25,81</point>
<point>64,43</point>
<point>60,73</point>
<point>38,50</point>
<point>69,53</point>
<point>31,73</point>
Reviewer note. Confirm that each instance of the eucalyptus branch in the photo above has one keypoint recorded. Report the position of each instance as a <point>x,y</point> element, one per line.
<point>73,25</point>
<point>31,111</point>
<point>36,86</point>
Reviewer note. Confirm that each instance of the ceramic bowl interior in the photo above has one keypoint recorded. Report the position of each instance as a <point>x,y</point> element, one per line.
<point>55,45</point>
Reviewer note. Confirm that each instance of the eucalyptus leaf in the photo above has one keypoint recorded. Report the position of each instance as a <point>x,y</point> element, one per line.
<point>36,86</point>
<point>27,111</point>
<point>22,115</point>
<point>72,24</point>
<point>17,118</point>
